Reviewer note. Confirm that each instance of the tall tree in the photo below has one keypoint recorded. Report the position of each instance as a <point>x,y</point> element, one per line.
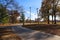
<point>3,15</point>
<point>46,6</point>
<point>45,10</point>
<point>23,18</point>
<point>14,15</point>
<point>6,5</point>
<point>55,3</point>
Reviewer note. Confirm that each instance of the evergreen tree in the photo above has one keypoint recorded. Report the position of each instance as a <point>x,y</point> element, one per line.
<point>4,18</point>
<point>5,5</point>
<point>22,18</point>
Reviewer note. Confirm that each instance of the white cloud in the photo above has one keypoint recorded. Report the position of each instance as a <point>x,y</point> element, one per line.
<point>33,15</point>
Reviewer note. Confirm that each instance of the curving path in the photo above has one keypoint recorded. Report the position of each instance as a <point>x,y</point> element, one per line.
<point>27,34</point>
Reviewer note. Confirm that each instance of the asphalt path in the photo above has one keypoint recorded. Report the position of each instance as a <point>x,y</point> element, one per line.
<point>28,34</point>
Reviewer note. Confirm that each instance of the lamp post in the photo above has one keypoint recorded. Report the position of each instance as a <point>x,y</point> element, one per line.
<point>30,15</point>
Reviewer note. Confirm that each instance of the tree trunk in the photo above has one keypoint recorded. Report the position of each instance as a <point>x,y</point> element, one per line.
<point>23,22</point>
<point>48,19</point>
<point>54,19</point>
<point>54,11</point>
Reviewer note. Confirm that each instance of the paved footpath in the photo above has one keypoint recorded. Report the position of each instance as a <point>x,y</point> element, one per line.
<point>27,34</point>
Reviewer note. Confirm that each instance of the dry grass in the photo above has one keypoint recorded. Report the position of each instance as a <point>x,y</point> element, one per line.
<point>9,24</point>
<point>10,37</point>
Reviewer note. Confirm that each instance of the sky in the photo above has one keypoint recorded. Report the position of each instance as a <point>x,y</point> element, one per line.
<point>34,4</point>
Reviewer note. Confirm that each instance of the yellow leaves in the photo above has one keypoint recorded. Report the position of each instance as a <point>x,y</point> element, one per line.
<point>58,8</point>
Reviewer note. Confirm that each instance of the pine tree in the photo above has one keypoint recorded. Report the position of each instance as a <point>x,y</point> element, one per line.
<point>4,18</point>
<point>23,18</point>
